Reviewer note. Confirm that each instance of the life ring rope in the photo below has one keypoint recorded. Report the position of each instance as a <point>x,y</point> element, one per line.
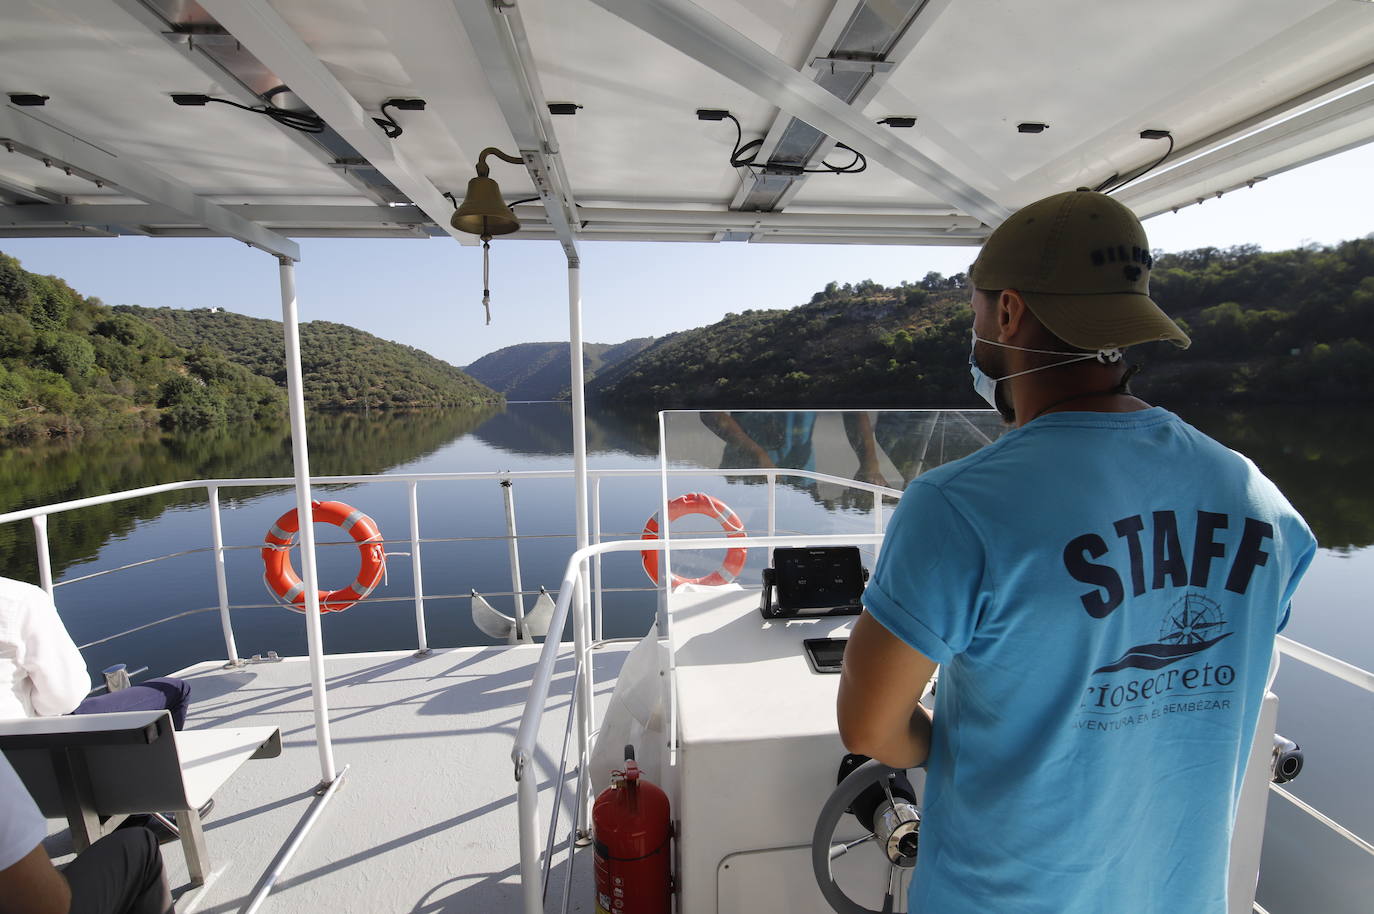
<point>286,586</point>
<point>706,505</point>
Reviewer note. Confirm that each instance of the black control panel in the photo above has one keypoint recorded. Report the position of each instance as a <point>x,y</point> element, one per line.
<point>813,581</point>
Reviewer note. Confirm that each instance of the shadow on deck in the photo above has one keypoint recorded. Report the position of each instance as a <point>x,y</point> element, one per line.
<point>424,821</point>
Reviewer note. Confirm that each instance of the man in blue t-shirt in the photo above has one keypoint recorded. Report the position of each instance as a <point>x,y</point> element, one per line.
<point>1101,588</point>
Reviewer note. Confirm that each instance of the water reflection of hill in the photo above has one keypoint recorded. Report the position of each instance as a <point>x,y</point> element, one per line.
<point>545,429</point>
<point>340,443</point>
<point>1319,456</point>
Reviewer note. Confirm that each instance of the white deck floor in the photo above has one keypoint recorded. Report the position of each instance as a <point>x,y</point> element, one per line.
<point>425,819</point>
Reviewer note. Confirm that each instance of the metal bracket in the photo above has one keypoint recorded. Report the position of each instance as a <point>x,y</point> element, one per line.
<point>852,65</point>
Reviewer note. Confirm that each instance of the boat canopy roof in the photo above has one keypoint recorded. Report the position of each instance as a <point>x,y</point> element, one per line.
<point>962,111</point>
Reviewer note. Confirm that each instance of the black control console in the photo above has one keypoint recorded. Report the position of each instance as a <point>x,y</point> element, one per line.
<point>813,581</point>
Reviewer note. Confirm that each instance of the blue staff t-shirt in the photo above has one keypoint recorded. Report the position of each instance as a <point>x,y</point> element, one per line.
<point>1101,591</point>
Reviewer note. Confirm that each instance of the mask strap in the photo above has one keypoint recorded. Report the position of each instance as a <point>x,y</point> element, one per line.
<point>1104,356</point>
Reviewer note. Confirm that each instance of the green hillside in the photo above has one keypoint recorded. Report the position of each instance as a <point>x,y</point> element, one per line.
<point>69,364</point>
<point>343,368</point>
<point>540,371</point>
<point>1285,326</point>
<point>851,345</point>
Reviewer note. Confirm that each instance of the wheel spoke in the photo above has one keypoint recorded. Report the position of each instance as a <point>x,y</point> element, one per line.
<point>839,850</point>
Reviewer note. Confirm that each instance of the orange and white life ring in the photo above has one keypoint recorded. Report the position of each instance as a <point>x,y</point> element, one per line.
<point>699,503</point>
<point>286,585</point>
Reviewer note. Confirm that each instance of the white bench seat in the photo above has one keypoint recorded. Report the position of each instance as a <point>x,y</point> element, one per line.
<point>95,769</point>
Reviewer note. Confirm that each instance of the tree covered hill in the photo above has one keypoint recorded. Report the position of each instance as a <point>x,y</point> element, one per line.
<point>342,367</point>
<point>851,345</point>
<point>540,371</point>
<point>68,363</point>
<point>1284,326</point>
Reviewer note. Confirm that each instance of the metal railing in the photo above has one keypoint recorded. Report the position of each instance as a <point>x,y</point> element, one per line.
<point>38,516</point>
<point>1346,672</point>
<point>532,874</point>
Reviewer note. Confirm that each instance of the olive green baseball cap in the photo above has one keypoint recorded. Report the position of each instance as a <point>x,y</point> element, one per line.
<point>1081,261</point>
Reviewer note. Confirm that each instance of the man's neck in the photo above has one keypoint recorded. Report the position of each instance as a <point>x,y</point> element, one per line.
<point>1100,395</point>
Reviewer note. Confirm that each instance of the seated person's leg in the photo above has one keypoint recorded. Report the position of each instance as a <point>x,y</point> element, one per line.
<point>119,874</point>
<point>153,695</point>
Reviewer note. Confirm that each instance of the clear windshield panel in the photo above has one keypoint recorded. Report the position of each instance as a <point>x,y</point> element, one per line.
<point>806,473</point>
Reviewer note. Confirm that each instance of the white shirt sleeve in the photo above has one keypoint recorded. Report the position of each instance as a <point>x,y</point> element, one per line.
<point>57,671</point>
<point>22,826</point>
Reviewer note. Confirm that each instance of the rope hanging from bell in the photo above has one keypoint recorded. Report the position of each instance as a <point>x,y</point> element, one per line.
<point>486,276</point>
<point>484,213</point>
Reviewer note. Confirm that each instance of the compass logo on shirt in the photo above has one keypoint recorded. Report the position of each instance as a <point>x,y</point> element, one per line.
<point>1191,625</point>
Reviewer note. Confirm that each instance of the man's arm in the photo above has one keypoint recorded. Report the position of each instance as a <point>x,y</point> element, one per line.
<point>51,659</point>
<point>879,706</point>
<point>33,886</point>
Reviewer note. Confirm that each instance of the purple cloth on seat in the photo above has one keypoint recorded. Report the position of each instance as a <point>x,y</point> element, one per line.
<point>153,695</point>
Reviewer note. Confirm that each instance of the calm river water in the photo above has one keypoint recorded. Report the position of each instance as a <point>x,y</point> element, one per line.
<point>1321,458</point>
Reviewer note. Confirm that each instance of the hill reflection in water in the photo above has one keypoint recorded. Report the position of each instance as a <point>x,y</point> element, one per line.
<point>46,473</point>
<point>1317,456</point>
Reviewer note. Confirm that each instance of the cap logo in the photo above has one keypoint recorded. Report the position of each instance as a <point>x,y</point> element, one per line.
<point>1131,272</point>
<point>1120,253</point>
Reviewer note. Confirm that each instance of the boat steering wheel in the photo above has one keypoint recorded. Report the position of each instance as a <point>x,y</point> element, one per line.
<point>892,821</point>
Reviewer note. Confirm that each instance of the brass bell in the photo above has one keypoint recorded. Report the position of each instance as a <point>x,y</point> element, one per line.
<point>483,212</point>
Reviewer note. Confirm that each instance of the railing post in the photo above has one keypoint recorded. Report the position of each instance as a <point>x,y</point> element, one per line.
<point>40,540</point>
<point>527,812</point>
<point>596,540</point>
<point>415,574</point>
<point>772,510</point>
<point>508,493</point>
<point>585,687</point>
<point>231,649</point>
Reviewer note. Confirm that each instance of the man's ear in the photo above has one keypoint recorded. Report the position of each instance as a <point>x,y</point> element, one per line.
<point>1011,312</point>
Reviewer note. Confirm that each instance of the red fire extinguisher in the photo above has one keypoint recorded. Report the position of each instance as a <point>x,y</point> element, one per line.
<point>631,831</point>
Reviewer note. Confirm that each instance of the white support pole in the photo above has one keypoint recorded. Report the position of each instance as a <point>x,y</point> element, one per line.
<point>598,581</point>
<point>581,633</point>
<point>416,578</point>
<point>301,458</point>
<point>231,650</point>
<point>40,540</point>
<point>513,549</point>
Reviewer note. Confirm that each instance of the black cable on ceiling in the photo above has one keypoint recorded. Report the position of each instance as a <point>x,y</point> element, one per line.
<point>304,121</point>
<point>745,155</point>
<point>1144,135</point>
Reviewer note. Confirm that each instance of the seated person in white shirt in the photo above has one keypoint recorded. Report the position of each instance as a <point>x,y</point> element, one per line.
<point>119,874</point>
<point>42,673</point>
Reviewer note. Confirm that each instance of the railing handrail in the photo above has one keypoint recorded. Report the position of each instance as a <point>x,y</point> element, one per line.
<point>1333,666</point>
<point>548,656</point>
<point>499,475</point>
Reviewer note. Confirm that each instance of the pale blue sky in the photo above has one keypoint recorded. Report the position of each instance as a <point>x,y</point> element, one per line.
<point>427,293</point>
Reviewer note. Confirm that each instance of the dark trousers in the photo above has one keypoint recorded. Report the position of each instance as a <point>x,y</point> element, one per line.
<point>153,695</point>
<point>120,874</point>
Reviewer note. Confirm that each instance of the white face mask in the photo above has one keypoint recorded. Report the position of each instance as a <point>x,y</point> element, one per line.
<point>987,386</point>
